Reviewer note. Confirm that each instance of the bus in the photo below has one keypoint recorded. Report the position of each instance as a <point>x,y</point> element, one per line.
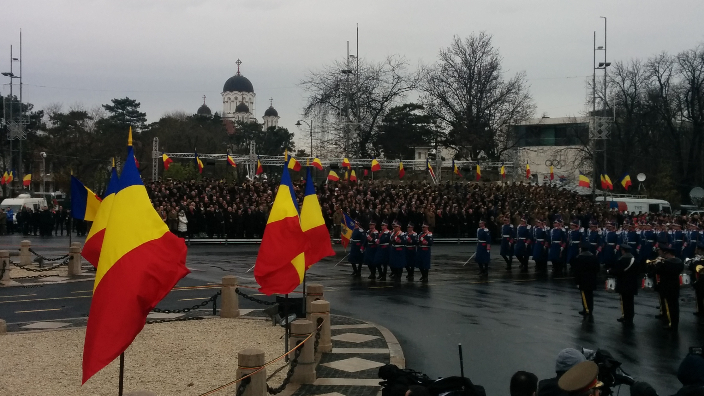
<point>637,205</point>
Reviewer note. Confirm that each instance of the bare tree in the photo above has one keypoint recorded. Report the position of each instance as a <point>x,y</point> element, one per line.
<point>467,91</point>
<point>350,102</point>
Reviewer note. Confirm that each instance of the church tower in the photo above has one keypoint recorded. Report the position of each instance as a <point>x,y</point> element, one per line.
<point>238,98</point>
<point>271,116</point>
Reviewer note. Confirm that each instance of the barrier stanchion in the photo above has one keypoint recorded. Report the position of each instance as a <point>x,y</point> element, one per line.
<point>4,266</point>
<point>314,292</point>
<point>74,259</point>
<point>230,302</point>
<point>3,327</point>
<point>25,255</point>
<point>141,393</point>
<point>304,372</point>
<point>249,361</point>
<point>320,310</point>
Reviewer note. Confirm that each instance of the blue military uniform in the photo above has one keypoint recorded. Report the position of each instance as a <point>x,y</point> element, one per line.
<point>411,245</point>
<point>677,242</point>
<point>608,253</point>
<point>381,259</point>
<point>632,239</point>
<point>356,257</point>
<point>370,249</point>
<point>594,239</point>
<point>663,239</point>
<point>483,254</point>
<point>557,243</point>
<point>574,239</point>
<point>540,247</point>
<point>425,241</point>
<point>397,252</point>
<point>522,246</point>
<point>691,238</point>
<point>647,246</point>
<point>508,235</point>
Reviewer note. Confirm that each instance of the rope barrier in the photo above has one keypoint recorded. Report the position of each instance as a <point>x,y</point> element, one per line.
<point>46,258</point>
<point>26,267</point>
<point>300,344</point>
<point>213,298</point>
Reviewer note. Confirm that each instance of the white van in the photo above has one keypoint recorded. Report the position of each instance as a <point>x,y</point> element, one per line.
<point>637,205</point>
<point>23,200</point>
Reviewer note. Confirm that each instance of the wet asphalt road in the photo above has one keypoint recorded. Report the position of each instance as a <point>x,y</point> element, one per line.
<point>511,322</point>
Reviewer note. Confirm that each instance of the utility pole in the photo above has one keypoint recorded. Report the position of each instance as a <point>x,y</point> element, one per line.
<point>592,128</point>
<point>22,135</point>
<point>605,102</point>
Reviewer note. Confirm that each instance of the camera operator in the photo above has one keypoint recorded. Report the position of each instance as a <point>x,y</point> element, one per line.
<point>581,380</point>
<point>691,374</point>
<point>566,359</point>
<point>669,269</point>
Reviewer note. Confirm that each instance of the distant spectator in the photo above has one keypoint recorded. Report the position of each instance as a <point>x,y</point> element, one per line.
<point>524,383</point>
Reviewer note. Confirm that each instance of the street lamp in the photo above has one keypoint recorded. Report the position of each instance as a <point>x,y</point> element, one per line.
<point>298,123</point>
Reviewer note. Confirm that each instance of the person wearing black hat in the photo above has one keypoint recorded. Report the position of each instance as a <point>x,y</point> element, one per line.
<point>381,259</point>
<point>425,241</point>
<point>541,244</point>
<point>574,241</point>
<point>610,246</point>
<point>522,247</point>
<point>397,251</point>
<point>696,266</point>
<point>626,272</point>
<point>594,237</point>
<point>581,380</point>
<point>632,238</point>
<point>508,236</point>
<point>411,247</point>
<point>483,252</point>
<point>557,245</point>
<point>669,269</point>
<point>356,257</point>
<point>370,248</point>
<point>586,268</point>
<point>647,244</point>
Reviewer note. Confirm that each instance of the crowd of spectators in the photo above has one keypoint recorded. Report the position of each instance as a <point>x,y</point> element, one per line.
<point>212,208</point>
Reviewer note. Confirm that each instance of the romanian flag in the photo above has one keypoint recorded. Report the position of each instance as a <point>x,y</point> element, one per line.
<point>4,178</point>
<point>231,161</point>
<point>27,180</point>
<point>353,176</point>
<point>346,229</point>
<point>376,166</point>
<point>503,171</point>
<point>366,172</point>
<point>527,171</point>
<point>347,175</point>
<point>626,181</point>
<point>479,172</point>
<point>167,161</point>
<point>430,168</point>
<point>346,163</point>
<point>401,171</point>
<point>313,226</point>
<point>84,202</point>
<point>260,168</point>
<point>199,163</point>
<point>609,184</point>
<point>552,173</point>
<point>140,262</point>
<point>456,169</point>
<point>281,261</point>
<point>603,182</point>
<point>94,241</point>
<point>317,164</point>
<point>332,176</point>
<point>292,163</point>
<point>11,176</point>
<point>583,181</point>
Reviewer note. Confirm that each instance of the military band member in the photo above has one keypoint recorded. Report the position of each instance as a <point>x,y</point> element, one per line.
<point>381,259</point>
<point>522,247</point>
<point>356,257</point>
<point>586,268</point>
<point>425,241</point>
<point>627,275</point>
<point>483,253</point>
<point>411,247</point>
<point>696,266</point>
<point>508,236</point>
<point>541,245</point>
<point>557,245</point>
<point>370,248</point>
<point>669,269</point>
<point>574,240</point>
<point>397,251</point>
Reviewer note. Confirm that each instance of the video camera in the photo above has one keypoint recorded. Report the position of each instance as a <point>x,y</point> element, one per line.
<point>610,372</point>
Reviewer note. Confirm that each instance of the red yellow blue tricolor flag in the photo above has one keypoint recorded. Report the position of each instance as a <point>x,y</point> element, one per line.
<point>84,202</point>
<point>376,166</point>
<point>167,161</point>
<point>199,163</point>
<point>430,168</point>
<point>353,176</point>
<point>281,261</point>
<point>140,262</point>
<point>292,163</point>
<point>313,225</point>
<point>317,164</point>
<point>626,181</point>
<point>231,161</point>
<point>260,168</point>
<point>94,241</point>
<point>456,169</point>
<point>583,181</point>
<point>346,163</point>
<point>503,171</point>
<point>346,229</point>
<point>401,171</point>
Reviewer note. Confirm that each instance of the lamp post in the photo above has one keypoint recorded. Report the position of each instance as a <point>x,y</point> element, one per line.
<point>602,65</point>
<point>310,124</point>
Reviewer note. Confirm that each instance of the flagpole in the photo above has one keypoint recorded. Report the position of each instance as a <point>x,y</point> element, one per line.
<point>304,293</point>
<point>286,322</point>
<point>122,373</point>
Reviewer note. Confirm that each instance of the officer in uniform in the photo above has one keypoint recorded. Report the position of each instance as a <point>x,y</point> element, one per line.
<point>632,239</point>
<point>594,238</point>
<point>627,275</point>
<point>696,266</point>
<point>356,257</point>
<point>647,244</point>
<point>574,238</point>
<point>608,253</point>
<point>541,245</point>
<point>523,244</point>
<point>370,248</point>
<point>691,240</point>
<point>397,251</point>
<point>557,245</point>
<point>581,380</point>
<point>381,259</point>
<point>669,267</point>
<point>586,268</point>
<point>411,246</point>
<point>483,253</point>
<point>508,236</point>
<point>677,239</point>
<point>663,237</point>
<point>425,241</point>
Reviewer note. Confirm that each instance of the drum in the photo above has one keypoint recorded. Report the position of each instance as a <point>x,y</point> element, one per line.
<point>610,284</point>
<point>685,280</point>
<point>648,283</point>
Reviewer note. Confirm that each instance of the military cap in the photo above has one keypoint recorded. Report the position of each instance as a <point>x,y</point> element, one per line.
<point>556,221</point>
<point>593,223</point>
<point>575,222</point>
<point>410,224</point>
<point>384,222</point>
<point>666,248</point>
<point>395,223</point>
<point>580,378</point>
<point>482,221</point>
<point>356,220</point>
<point>372,221</point>
<point>625,247</point>
<point>425,224</point>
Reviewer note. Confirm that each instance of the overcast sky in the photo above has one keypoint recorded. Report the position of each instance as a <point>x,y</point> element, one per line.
<point>168,54</point>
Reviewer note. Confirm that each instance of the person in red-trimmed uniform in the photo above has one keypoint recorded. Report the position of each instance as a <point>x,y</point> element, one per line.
<point>425,241</point>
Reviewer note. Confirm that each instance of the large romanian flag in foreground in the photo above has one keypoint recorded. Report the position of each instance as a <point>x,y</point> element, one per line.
<point>281,262</point>
<point>84,202</point>
<point>313,225</point>
<point>140,262</point>
<point>94,241</point>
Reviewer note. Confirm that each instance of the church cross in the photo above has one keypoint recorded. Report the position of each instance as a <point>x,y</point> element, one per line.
<point>203,99</point>
<point>271,102</point>
<point>239,62</point>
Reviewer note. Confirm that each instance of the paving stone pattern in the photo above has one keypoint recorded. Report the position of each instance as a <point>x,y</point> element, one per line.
<point>313,390</point>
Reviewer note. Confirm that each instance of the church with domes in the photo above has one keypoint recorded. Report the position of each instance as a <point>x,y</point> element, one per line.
<point>239,102</point>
